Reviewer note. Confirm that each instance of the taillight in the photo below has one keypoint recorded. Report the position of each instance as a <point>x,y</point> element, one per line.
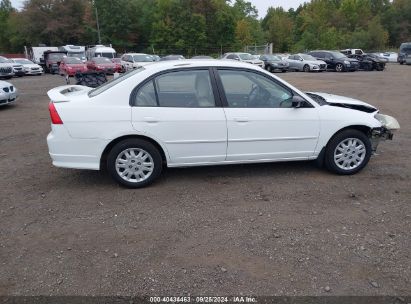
<point>55,117</point>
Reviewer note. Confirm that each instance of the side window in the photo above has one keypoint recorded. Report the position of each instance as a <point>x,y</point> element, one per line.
<point>146,96</point>
<point>245,89</point>
<point>187,89</point>
<point>231,56</point>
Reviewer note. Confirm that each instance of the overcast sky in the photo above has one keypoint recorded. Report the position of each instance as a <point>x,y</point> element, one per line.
<point>262,5</point>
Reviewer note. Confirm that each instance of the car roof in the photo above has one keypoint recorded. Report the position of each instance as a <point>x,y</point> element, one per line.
<point>192,63</point>
<point>135,54</point>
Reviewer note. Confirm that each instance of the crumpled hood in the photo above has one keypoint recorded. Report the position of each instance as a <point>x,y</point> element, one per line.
<point>346,101</point>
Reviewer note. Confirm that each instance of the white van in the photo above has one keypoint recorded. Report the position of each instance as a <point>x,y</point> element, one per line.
<point>101,51</point>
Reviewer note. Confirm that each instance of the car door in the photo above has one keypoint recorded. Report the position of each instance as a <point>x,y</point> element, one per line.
<point>293,62</point>
<point>181,109</point>
<point>261,123</point>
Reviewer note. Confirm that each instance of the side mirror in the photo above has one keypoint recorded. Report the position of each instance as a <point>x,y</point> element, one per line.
<point>301,59</point>
<point>297,101</point>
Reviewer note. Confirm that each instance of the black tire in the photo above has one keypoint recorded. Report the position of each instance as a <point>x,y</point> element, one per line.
<point>401,62</point>
<point>339,138</point>
<point>283,71</point>
<point>269,69</point>
<point>143,145</point>
<point>306,68</point>
<point>339,67</point>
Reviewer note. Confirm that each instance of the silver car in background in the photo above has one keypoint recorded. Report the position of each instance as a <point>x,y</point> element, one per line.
<point>8,93</point>
<point>6,69</point>
<point>306,63</point>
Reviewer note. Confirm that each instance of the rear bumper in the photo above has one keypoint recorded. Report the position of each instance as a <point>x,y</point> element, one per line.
<point>68,152</point>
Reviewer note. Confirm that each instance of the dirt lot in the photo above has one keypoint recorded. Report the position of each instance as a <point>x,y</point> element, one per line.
<point>270,229</point>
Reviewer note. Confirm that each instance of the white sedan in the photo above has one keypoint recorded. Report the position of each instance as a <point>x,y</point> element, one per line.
<point>8,93</point>
<point>30,68</point>
<point>207,112</point>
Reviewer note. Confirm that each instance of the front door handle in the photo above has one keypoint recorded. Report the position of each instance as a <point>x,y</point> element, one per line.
<point>241,119</point>
<point>150,119</point>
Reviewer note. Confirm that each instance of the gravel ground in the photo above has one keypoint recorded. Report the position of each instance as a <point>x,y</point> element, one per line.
<point>269,229</point>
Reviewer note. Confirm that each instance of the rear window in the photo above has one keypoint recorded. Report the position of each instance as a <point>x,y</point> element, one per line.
<point>113,82</point>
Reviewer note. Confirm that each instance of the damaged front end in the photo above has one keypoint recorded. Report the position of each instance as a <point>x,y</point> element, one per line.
<point>388,126</point>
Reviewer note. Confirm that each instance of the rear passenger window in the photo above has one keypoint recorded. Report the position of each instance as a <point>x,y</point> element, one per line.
<point>146,96</point>
<point>186,89</point>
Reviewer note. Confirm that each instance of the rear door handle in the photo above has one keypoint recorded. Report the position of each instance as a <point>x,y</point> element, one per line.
<point>241,119</point>
<point>150,119</point>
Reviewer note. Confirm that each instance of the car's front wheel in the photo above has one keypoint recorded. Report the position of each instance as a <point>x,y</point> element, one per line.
<point>339,67</point>
<point>134,163</point>
<point>306,68</point>
<point>348,152</point>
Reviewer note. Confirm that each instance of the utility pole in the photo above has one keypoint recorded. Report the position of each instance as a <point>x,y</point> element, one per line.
<point>98,25</point>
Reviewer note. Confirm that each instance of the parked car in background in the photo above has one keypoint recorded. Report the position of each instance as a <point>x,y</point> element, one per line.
<point>405,50</point>
<point>172,57</point>
<point>349,52</point>
<point>370,62</point>
<point>274,63</point>
<point>29,67</point>
<point>243,57</point>
<point>336,61</point>
<point>74,51</point>
<point>207,112</point>
<point>8,93</point>
<point>103,64</point>
<point>408,59</point>
<point>389,56</point>
<point>131,61</point>
<point>6,69</point>
<point>17,68</point>
<point>119,65</point>
<point>155,58</point>
<point>306,63</point>
<point>202,57</point>
<point>52,60</point>
<point>72,65</point>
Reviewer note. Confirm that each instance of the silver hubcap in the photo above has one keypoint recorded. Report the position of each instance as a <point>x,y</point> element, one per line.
<point>134,165</point>
<point>339,67</point>
<point>349,154</point>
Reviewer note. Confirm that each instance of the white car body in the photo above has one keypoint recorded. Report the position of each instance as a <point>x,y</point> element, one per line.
<point>130,61</point>
<point>240,57</point>
<point>194,136</point>
<point>390,56</point>
<point>8,93</point>
<point>30,68</point>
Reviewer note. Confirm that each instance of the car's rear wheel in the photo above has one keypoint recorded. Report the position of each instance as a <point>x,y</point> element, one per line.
<point>339,67</point>
<point>134,163</point>
<point>306,68</point>
<point>348,152</point>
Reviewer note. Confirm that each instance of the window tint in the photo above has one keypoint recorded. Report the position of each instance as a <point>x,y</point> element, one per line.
<point>251,90</point>
<point>189,89</point>
<point>231,56</point>
<point>146,96</point>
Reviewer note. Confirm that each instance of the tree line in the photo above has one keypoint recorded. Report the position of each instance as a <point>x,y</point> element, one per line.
<point>193,27</point>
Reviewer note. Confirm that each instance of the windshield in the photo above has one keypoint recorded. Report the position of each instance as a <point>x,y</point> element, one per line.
<point>107,55</point>
<point>101,60</point>
<point>307,57</point>
<point>272,58</point>
<point>337,55</point>
<point>23,61</point>
<point>107,85</point>
<point>56,56</point>
<point>406,49</point>
<point>143,58</point>
<point>78,55</point>
<point>245,56</point>
<point>73,60</point>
